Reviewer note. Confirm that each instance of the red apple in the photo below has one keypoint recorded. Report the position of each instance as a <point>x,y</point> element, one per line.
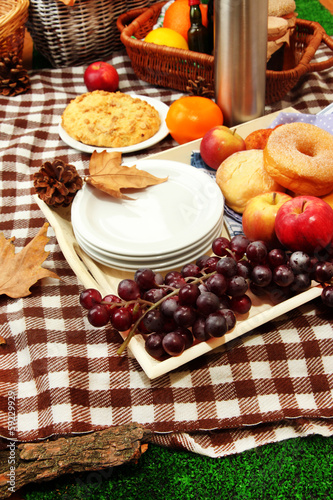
<point>305,223</point>
<point>219,143</point>
<point>259,217</point>
<point>101,76</point>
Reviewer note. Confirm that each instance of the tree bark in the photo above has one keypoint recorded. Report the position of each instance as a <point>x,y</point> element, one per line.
<point>24,463</point>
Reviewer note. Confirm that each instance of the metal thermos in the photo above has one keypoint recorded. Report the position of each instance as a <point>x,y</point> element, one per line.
<point>240,58</point>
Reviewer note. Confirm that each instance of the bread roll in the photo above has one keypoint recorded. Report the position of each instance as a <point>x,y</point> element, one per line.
<point>281,8</point>
<point>242,176</point>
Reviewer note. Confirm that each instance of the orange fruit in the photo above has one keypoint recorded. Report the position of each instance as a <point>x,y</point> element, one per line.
<point>177,17</point>
<point>168,37</point>
<point>328,198</point>
<point>190,117</point>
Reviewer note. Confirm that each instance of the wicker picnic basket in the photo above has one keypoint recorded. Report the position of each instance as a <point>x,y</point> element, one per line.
<point>78,34</point>
<point>173,68</point>
<point>13,16</point>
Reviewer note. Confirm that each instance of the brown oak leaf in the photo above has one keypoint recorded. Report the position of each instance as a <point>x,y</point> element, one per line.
<point>19,271</point>
<point>108,175</point>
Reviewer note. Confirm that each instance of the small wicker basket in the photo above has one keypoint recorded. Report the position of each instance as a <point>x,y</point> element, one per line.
<point>173,68</point>
<point>74,35</point>
<point>13,16</point>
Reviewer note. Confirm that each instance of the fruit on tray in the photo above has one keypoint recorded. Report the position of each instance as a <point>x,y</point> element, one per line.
<point>258,138</point>
<point>258,218</point>
<point>177,17</point>
<point>168,37</point>
<point>329,199</point>
<point>100,75</point>
<point>305,223</point>
<point>219,143</point>
<point>190,117</point>
<point>204,299</point>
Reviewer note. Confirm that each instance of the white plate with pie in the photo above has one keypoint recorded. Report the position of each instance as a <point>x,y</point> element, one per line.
<point>159,136</point>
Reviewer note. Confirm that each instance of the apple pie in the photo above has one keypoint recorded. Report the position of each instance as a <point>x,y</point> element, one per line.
<point>110,119</point>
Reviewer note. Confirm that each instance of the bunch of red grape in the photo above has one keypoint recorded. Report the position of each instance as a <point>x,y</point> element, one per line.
<point>203,299</point>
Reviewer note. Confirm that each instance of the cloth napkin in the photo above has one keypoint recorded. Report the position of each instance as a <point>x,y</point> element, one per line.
<point>65,376</point>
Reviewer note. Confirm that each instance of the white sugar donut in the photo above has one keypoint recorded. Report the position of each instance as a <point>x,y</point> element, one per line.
<point>299,156</point>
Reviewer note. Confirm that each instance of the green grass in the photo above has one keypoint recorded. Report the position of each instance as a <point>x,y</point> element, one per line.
<point>313,10</point>
<point>300,468</point>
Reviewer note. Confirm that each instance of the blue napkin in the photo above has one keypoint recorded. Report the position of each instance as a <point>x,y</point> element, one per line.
<point>324,121</point>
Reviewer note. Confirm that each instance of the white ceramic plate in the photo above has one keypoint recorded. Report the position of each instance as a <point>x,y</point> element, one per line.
<point>160,134</point>
<point>153,259</point>
<point>164,218</point>
<point>160,265</point>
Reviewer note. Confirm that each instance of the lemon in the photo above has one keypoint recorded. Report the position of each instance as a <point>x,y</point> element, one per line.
<point>168,37</point>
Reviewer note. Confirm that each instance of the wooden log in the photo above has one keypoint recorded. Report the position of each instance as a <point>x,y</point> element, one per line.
<point>25,463</point>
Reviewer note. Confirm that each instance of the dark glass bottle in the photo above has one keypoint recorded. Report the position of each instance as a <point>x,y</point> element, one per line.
<point>210,15</point>
<point>198,36</point>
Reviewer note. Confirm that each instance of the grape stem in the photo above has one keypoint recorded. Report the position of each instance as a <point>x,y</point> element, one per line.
<point>113,305</point>
<point>155,306</point>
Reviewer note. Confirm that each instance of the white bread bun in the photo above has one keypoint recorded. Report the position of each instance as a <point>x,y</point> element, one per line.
<point>242,176</point>
<point>281,8</point>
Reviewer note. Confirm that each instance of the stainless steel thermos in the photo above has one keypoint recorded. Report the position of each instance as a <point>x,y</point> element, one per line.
<point>240,50</point>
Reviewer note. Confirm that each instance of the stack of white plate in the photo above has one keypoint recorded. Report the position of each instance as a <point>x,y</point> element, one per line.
<point>163,227</point>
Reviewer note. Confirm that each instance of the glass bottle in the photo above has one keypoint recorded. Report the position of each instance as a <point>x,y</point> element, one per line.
<point>210,15</point>
<point>198,39</point>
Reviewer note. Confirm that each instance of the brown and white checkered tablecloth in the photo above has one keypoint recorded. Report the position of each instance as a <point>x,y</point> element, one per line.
<point>65,376</point>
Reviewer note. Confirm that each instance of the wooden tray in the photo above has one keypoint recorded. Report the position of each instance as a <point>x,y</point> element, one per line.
<point>105,279</point>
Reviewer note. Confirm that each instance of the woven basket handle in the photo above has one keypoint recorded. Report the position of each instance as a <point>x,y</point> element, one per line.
<point>320,66</point>
<point>127,17</point>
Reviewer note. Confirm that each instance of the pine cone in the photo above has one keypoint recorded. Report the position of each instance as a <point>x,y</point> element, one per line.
<point>200,87</point>
<point>14,78</point>
<point>57,183</point>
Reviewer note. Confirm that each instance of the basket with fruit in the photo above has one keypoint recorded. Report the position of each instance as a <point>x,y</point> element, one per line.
<point>173,67</point>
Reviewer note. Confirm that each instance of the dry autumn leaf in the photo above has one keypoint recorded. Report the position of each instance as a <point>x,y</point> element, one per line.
<point>19,271</point>
<point>108,175</point>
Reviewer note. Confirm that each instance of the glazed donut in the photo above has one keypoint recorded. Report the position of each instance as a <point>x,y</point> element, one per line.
<point>299,156</point>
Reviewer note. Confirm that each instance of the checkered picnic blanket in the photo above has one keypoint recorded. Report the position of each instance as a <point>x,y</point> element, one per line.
<point>65,377</point>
